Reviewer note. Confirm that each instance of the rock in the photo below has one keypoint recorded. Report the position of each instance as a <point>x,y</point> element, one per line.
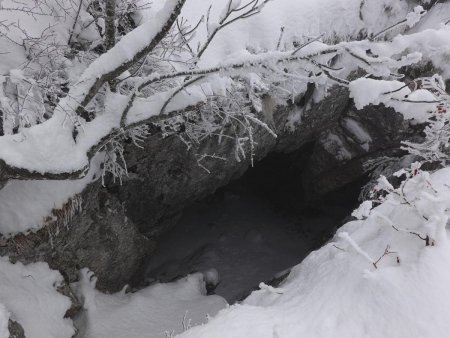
<point>15,330</point>
<point>161,186</point>
<point>76,306</point>
<point>120,225</point>
<point>101,238</point>
<point>340,151</point>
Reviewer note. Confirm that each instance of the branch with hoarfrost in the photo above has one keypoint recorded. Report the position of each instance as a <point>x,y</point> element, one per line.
<point>233,11</point>
<point>346,237</point>
<point>152,90</point>
<point>114,161</point>
<point>201,158</point>
<point>424,99</point>
<point>435,147</point>
<point>251,63</point>
<point>425,205</point>
<point>411,19</point>
<point>119,60</point>
<point>385,253</point>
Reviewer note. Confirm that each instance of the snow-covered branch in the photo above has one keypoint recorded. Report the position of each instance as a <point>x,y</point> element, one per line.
<point>155,83</point>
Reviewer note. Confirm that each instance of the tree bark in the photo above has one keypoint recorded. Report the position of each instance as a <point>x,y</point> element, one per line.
<point>110,26</point>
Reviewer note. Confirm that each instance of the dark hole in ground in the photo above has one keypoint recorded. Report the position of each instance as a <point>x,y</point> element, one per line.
<point>252,230</point>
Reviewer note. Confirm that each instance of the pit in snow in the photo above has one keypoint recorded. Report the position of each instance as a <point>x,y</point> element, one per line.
<point>245,234</point>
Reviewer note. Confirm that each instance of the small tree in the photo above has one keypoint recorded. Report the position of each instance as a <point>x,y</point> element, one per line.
<point>151,73</point>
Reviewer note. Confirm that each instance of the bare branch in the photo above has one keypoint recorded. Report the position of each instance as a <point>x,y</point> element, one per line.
<point>75,22</point>
<point>251,8</point>
<point>111,75</point>
<point>110,26</point>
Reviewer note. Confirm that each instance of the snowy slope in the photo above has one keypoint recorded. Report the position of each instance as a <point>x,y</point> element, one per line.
<point>301,18</point>
<point>160,310</point>
<point>28,295</point>
<point>337,291</point>
<point>25,204</point>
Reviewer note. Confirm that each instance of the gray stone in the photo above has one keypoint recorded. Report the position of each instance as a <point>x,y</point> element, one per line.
<point>120,224</point>
<point>15,330</point>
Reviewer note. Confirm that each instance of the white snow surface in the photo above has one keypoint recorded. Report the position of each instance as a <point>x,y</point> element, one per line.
<point>415,105</point>
<point>25,204</point>
<point>152,312</point>
<point>4,317</point>
<point>434,18</point>
<point>414,17</point>
<point>302,19</point>
<point>28,295</point>
<point>337,291</point>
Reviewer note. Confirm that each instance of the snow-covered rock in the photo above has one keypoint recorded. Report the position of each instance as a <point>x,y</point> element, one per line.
<point>29,296</point>
<point>160,310</point>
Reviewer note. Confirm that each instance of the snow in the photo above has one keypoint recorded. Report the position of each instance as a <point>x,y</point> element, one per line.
<point>338,292</point>
<point>28,293</point>
<point>359,132</point>
<point>49,147</point>
<point>413,105</point>
<point>414,17</point>
<point>363,210</point>
<point>433,44</point>
<point>440,13</point>
<point>24,205</point>
<point>4,319</point>
<point>130,44</point>
<point>160,310</point>
<point>301,18</point>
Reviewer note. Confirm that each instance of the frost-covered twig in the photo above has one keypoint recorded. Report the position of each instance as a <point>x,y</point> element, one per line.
<point>385,253</point>
<point>205,156</point>
<point>244,11</point>
<point>411,19</point>
<point>345,236</point>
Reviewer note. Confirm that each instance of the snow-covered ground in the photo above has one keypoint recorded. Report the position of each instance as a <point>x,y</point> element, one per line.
<point>337,291</point>
<point>28,295</point>
<point>161,310</point>
<point>376,278</point>
<point>230,243</point>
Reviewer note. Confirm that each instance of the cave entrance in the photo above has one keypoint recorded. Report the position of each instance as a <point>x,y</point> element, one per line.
<point>253,230</point>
